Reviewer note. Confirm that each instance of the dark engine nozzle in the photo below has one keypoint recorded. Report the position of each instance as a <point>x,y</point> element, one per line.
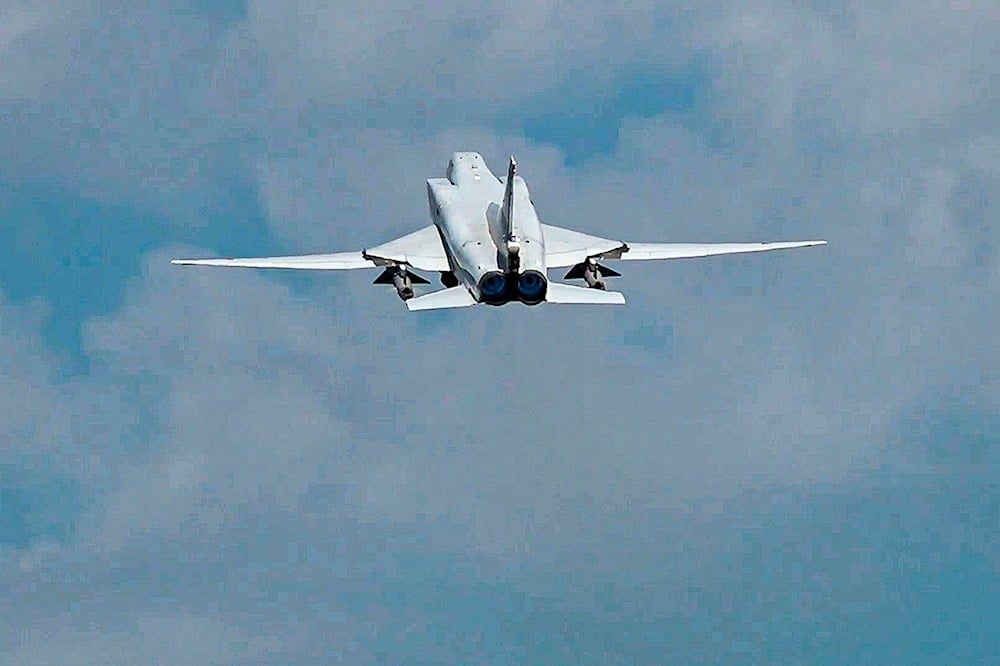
<point>531,287</point>
<point>493,287</point>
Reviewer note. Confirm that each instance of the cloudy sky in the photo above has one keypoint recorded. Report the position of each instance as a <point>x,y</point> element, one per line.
<point>786,457</point>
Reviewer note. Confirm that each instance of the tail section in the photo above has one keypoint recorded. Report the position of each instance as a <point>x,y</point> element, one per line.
<point>511,238</point>
<point>565,293</point>
<point>455,297</point>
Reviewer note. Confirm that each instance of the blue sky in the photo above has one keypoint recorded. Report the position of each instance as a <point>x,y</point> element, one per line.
<point>761,459</point>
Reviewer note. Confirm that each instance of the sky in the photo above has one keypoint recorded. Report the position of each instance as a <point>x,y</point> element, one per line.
<point>788,457</point>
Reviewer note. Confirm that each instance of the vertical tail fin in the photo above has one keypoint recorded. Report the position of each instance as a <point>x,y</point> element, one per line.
<point>510,230</point>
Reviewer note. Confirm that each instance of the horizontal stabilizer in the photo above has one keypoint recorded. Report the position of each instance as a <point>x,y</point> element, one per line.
<point>456,297</point>
<point>645,251</point>
<point>318,262</point>
<point>565,293</point>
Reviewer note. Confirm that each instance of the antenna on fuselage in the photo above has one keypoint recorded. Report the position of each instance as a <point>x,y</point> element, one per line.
<point>512,242</point>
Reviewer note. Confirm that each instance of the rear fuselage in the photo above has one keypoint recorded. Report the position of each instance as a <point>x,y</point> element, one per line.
<point>468,208</point>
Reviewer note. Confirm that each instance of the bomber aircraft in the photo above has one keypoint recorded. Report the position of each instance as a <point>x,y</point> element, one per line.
<point>489,247</point>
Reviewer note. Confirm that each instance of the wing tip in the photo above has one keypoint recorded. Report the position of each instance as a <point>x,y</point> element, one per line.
<point>792,244</point>
<point>196,262</point>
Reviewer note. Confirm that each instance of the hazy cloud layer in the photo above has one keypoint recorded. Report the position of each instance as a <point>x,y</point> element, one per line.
<point>776,457</point>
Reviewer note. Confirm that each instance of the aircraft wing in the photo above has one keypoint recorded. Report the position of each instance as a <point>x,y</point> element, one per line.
<point>643,251</point>
<point>565,247</point>
<point>421,249</point>
<point>316,262</point>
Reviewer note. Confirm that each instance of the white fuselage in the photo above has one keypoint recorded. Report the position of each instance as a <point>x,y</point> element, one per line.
<point>497,259</point>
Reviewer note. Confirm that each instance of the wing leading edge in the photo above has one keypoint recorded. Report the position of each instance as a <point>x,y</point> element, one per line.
<point>317,262</point>
<point>647,251</point>
<point>565,247</point>
<point>422,249</point>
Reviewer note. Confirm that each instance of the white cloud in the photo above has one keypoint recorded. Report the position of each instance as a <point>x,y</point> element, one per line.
<point>764,388</point>
<point>431,54</point>
<point>935,239</point>
<point>36,45</point>
<point>861,66</point>
<point>39,417</point>
<point>708,194</point>
<point>224,407</point>
<point>150,639</point>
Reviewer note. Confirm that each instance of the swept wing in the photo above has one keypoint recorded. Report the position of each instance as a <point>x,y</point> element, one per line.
<point>641,251</point>
<point>421,249</point>
<point>317,262</point>
<point>565,247</point>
